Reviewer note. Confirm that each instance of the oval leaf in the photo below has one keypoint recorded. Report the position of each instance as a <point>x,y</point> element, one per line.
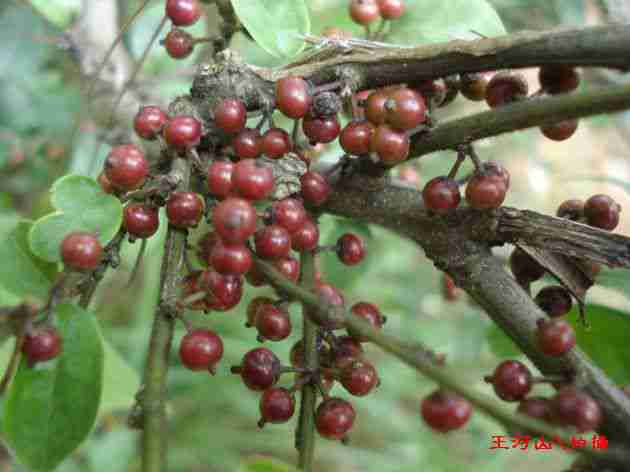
<point>120,382</point>
<point>51,408</point>
<point>81,206</point>
<point>276,25</point>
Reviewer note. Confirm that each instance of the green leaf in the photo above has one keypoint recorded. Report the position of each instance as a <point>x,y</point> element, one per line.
<point>51,408</point>
<point>615,278</point>
<point>81,206</point>
<point>120,382</point>
<point>276,25</point>
<point>265,464</point>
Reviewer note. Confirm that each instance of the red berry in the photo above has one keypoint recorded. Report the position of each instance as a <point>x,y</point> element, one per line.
<point>364,12</point>
<point>601,211</point>
<point>359,102</point>
<point>561,130</point>
<point>126,167</point>
<point>321,129</point>
<point>355,137</point>
<point>272,242</point>
<point>184,209</point>
<point>220,178</point>
<point>306,237</point>
<point>231,259</point>
<point>183,12</point>
<point>193,284</point>
<point>315,188</point>
<point>350,249</point>
<point>535,407</point>
<point>391,9</point>
<point>485,191</point>
<point>234,220</point>
<point>555,79</point>
<point>247,144</point>
<point>182,132</point>
<point>254,306</point>
<point>571,407</point>
<point>572,209</point>
<point>441,194</point>
<point>292,97</point>
<point>277,405</point>
<point>103,181</point>
<point>505,88</point>
<point>201,349</point>
<point>555,300</point>
<point>260,369</point>
<point>205,245</point>
<point>179,44</point>
<point>81,251</point>
<point>359,378</point>
<point>140,220</point>
<point>511,380</point>
<point>474,86</point>
<point>230,115</point>
<point>289,267</point>
<point>375,110</point>
<point>524,267</point>
<point>555,337</point>
<point>347,350</point>
<point>330,294</point>
<point>149,122</point>
<point>255,278</point>
<point>493,168</point>
<point>445,411</point>
<point>289,213</point>
<point>253,179</point>
<point>405,109</point>
<point>432,91</point>
<point>391,145</point>
<point>334,418</point>
<point>369,313</point>
<point>224,290</point>
<point>272,323</point>
<point>275,143</point>
<point>42,345</point>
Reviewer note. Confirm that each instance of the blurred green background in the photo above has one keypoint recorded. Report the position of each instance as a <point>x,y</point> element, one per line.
<point>213,419</point>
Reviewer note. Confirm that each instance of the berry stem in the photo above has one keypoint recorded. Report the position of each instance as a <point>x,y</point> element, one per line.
<point>461,157</point>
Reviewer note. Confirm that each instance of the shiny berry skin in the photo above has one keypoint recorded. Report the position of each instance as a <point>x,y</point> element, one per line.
<point>179,44</point>
<point>219,178</point>
<point>560,131</point>
<point>306,237</point>
<point>535,407</point>
<point>359,378</point>
<point>183,12</point>
<point>350,249</point>
<point>484,191</point>
<point>234,220</point>
<point>140,220</point>
<point>511,380</point>
<point>441,195</point>
<point>391,145</point>
<point>81,251</point>
<point>364,12</point>
<point>391,9</point>
<point>289,213</point>
<point>369,313</point>
<point>289,267</point>
<point>231,258</point>
<point>272,323</point>
<point>224,290</point>
<point>321,129</point>
<point>254,306</point>
<point>473,86</point>
<point>572,209</point>
<point>193,284</point>
<point>230,115</point>
<point>432,91</point>
<point>275,143</point>
<point>405,109</point>
<point>347,351</point>
<point>505,88</point>
<point>126,167</point>
<point>330,294</point>
<point>555,337</point>
<point>272,242</point>
<point>105,184</point>
<point>555,79</point>
<point>200,349</point>
<point>315,188</point>
<point>277,405</point>
<point>524,267</point>
<point>182,132</point>
<point>42,344</point>
<point>260,369</point>
<point>375,111</point>
<point>247,144</point>
<point>149,121</point>
<point>292,97</point>
<point>555,300</point>
<point>601,211</point>
<point>334,418</point>
<point>184,209</point>
<point>445,411</point>
<point>355,137</point>
<point>252,179</point>
<point>494,168</point>
<point>572,407</point>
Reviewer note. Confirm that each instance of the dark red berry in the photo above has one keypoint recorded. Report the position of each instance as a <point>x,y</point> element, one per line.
<point>254,306</point>
<point>346,351</point>
<point>350,249</point>
<point>292,97</point>
<point>369,313</point>
<point>359,102</point>
<point>306,237</point>
<point>126,167</point>
<point>260,369</point>
<point>289,267</point>
<point>277,405</point>
<point>391,9</point>
<point>495,169</point>
<point>103,181</point>
<point>201,349</point>
<point>355,137</point>
<point>315,188</point>
<point>560,131</point>
<point>149,121</point>
<point>205,245</point>
<point>555,79</point>
<point>572,407</point>
<point>255,277</point>
<point>405,109</point>
<point>485,191</point>
<point>182,132</point>
<point>359,378</point>
<point>555,337</point>
<point>252,179</point>
<point>275,143</point>
<point>289,213</point>
<point>334,418</point>
<point>445,411</point>
<point>572,209</point>
<point>42,344</point>
<point>140,220</point>
<point>555,300</point>
<point>391,145</point>
<point>321,129</point>
<point>81,251</point>
<point>535,407</point>
<point>234,220</point>
<point>247,144</point>
<point>330,294</point>
<point>511,380</point>
<point>433,91</point>
<point>220,178</point>
<point>272,242</point>
<point>231,258</point>
<point>230,115</point>
<point>505,88</point>
<point>193,285</point>
<point>441,195</point>
<point>183,12</point>
<point>375,110</point>
<point>224,290</point>
<point>525,268</point>
<point>473,86</point>
<point>179,44</point>
<point>601,211</point>
<point>184,209</point>
<point>272,323</point>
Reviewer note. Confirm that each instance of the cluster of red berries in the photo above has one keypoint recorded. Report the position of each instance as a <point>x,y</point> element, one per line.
<point>364,12</point>
<point>178,43</point>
